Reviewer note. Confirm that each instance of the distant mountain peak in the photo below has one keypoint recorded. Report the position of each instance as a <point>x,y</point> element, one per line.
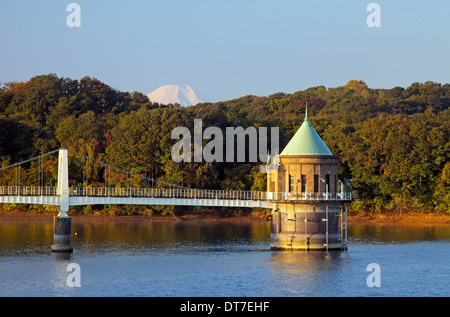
<point>181,94</point>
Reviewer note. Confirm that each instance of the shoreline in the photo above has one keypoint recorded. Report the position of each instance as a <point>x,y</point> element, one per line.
<point>420,218</point>
<point>385,218</point>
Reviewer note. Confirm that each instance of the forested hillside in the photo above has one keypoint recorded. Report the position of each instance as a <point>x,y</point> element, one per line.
<point>393,143</point>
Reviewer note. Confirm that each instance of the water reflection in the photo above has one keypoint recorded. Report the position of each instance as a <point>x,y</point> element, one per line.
<point>373,233</point>
<point>217,259</point>
<point>212,236</point>
<point>301,273</point>
<point>62,256</point>
<point>20,238</point>
<point>60,270</point>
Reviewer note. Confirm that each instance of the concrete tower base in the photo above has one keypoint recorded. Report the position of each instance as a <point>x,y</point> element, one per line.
<point>307,227</point>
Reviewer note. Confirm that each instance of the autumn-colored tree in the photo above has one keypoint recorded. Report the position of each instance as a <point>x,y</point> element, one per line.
<point>393,143</point>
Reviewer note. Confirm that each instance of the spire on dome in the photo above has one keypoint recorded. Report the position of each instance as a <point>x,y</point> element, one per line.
<point>306,141</point>
<point>306,113</point>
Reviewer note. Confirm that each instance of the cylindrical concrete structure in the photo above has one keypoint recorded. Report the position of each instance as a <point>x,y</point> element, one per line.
<point>62,234</point>
<point>304,187</point>
<point>306,227</point>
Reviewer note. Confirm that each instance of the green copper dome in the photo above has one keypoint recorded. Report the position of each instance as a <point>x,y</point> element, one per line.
<point>306,141</point>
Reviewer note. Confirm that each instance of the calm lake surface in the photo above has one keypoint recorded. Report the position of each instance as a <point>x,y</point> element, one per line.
<point>219,259</point>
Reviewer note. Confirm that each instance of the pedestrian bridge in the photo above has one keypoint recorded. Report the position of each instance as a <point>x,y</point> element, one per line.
<point>134,196</point>
<point>79,196</point>
<point>64,196</point>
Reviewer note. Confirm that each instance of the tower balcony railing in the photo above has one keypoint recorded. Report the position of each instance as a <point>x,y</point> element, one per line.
<point>305,196</point>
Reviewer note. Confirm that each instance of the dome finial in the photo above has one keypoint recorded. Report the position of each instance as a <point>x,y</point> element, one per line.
<point>306,112</point>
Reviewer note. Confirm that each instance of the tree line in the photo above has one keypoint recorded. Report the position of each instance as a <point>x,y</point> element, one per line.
<point>393,143</point>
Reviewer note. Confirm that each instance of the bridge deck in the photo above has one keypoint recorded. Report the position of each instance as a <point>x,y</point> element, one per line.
<point>158,196</point>
<point>162,196</point>
<point>134,196</point>
<point>169,193</point>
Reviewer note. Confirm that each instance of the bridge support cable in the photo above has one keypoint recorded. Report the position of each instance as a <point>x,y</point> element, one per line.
<point>129,174</point>
<point>19,166</point>
<point>29,160</point>
<point>64,196</point>
<point>86,169</point>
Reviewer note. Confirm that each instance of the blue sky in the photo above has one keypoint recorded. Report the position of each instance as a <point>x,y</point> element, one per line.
<point>227,49</point>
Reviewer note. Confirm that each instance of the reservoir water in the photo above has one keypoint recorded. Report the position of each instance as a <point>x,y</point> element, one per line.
<point>202,259</point>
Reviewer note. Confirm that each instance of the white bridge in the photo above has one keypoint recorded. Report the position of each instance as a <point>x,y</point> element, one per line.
<point>132,196</point>
<point>64,196</point>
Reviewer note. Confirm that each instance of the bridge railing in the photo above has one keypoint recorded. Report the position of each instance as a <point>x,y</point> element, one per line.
<point>205,194</point>
<point>174,193</point>
<point>167,193</point>
<point>27,191</point>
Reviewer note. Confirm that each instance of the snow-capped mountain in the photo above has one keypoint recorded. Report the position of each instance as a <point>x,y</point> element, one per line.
<point>184,95</point>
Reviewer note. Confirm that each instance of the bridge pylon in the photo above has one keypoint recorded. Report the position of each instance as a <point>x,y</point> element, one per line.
<point>62,189</point>
<point>62,222</point>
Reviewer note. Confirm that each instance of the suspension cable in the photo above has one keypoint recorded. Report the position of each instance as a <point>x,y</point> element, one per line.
<point>124,171</point>
<point>29,160</point>
<point>85,172</point>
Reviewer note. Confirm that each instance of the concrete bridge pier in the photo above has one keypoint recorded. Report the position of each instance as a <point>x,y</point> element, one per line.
<point>62,234</point>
